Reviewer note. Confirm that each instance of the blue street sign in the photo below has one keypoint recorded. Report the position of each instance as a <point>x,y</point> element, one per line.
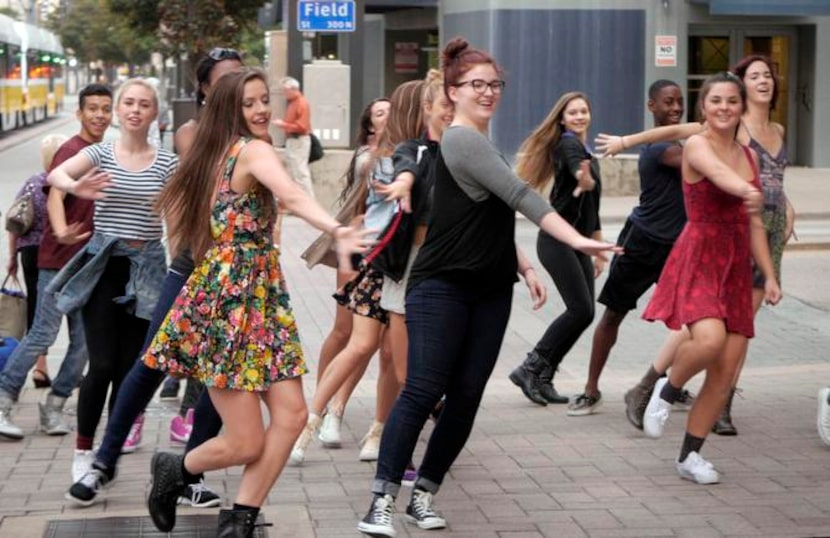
<point>326,16</point>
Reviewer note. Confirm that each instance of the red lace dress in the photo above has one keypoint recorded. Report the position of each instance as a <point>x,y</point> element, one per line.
<point>709,271</point>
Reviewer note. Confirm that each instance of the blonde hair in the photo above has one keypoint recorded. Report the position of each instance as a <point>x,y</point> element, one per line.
<point>48,147</point>
<point>137,81</point>
<point>433,86</point>
<point>535,163</point>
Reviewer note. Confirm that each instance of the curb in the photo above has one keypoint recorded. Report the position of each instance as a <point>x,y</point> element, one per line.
<point>21,136</point>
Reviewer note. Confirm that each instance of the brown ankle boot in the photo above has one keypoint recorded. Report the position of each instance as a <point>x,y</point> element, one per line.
<point>724,425</point>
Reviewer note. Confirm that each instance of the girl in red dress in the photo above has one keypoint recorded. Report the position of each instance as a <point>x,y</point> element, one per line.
<point>706,284</point>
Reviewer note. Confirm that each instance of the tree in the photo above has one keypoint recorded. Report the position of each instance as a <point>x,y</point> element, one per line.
<point>95,33</point>
<point>191,27</point>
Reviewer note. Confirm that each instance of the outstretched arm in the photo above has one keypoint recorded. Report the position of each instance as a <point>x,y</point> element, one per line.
<point>610,145</point>
<point>260,160</point>
<point>700,156</point>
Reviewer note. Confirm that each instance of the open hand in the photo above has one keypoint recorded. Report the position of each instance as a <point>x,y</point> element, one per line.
<point>349,240</point>
<point>608,145</point>
<point>72,234</point>
<point>586,180</point>
<point>91,185</point>
<point>397,190</point>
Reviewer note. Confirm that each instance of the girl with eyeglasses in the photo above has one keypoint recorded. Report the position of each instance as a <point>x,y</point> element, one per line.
<point>557,149</point>
<point>141,382</point>
<point>459,293</point>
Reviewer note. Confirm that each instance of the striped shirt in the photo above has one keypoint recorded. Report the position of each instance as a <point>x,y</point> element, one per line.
<point>127,211</point>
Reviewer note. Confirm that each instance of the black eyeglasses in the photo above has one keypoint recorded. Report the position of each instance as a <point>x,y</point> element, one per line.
<point>480,86</point>
<point>218,54</point>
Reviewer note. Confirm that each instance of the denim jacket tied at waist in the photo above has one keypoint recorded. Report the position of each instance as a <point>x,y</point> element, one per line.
<point>74,283</point>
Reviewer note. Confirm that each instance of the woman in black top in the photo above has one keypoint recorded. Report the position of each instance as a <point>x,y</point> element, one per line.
<point>556,149</point>
<point>460,290</point>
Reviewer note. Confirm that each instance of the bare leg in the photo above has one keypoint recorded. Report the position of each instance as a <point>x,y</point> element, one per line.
<point>363,343</point>
<point>757,300</point>
<point>398,345</point>
<point>666,353</point>
<point>708,337</point>
<point>339,335</point>
<point>388,386</point>
<point>605,336</point>
<point>287,409</point>
<point>243,437</point>
<point>716,387</point>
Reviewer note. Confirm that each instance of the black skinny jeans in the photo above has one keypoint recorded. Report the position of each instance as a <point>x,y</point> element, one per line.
<point>113,339</point>
<point>573,275</point>
<point>455,334</point>
<point>142,382</point>
<point>28,259</point>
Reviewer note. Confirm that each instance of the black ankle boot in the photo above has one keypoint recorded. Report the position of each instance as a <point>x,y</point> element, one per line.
<point>526,377</point>
<point>546,387</point>
<point>237,524</point>
<point>724,425</point>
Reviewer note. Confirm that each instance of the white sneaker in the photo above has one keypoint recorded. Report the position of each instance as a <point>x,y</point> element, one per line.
<point>370,444</point>
<point>81,464</point>
<point>657,411</point>
<point>8,429</point>
<point>823,420</point>
<point>330,430</point>
<point>697,469</point>
<point>297,456</point>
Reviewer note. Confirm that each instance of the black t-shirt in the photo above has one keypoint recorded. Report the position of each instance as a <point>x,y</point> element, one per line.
<point>661,214</point>
<point>582,212</point>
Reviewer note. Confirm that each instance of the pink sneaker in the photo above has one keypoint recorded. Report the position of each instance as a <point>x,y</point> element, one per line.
<point>180,428</point>
<point>134,437</point>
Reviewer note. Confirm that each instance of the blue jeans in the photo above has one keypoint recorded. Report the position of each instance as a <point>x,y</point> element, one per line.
<point>141,383</point>
<point>455,334</point>
<point>44,332</point>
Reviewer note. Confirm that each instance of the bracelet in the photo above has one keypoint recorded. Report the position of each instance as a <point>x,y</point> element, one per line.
<point>622,139</point>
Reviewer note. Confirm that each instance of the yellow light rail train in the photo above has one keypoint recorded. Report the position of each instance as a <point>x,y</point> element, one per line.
<point>32,65</point>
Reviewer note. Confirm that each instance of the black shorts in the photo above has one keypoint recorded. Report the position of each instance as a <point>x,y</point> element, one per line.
<point>633,273</point>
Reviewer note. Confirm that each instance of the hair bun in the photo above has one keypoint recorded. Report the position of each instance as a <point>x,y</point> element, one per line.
<point>433,76</point>
<point>453,50</point>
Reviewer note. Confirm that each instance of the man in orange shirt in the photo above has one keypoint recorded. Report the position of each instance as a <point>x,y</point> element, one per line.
<point>297,126</point>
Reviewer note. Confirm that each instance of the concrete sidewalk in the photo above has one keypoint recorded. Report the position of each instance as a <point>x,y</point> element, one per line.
<point>808,189</point>
<point>526,471</point>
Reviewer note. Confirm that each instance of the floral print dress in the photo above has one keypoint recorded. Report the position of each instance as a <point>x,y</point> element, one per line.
<point>232,325</point>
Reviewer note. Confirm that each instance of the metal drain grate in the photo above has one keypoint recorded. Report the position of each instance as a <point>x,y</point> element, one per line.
<point>138,527</point>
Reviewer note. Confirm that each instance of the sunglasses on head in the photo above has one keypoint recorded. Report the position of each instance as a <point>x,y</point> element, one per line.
<point>218,54</point>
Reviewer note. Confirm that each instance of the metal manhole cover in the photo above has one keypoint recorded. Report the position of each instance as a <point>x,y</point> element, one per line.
<point>138,527</point>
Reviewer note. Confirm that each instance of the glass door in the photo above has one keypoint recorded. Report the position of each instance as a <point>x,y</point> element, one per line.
<point>718,48</point>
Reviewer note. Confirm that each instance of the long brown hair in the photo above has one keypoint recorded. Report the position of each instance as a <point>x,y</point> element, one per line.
<point>535,162</point>
<point>189,196</point>
<point>365,129</point>
<point>405,119</point>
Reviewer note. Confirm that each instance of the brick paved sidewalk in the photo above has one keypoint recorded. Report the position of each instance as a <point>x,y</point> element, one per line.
<point>526,471</point>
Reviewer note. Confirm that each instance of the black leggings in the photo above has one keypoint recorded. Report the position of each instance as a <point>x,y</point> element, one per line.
<point>113,338</point>
<point>28,259</point>
<point>573,275</point>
